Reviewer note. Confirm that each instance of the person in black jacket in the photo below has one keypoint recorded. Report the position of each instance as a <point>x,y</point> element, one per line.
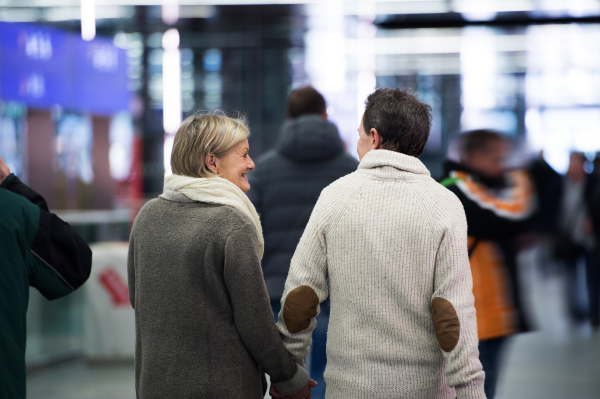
<point>285,186</point>
<point>37,249</point>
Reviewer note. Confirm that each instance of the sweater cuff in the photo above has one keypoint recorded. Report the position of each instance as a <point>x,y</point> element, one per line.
<point>472,390</point>
<point>294,384</point>
<point>300,363</point>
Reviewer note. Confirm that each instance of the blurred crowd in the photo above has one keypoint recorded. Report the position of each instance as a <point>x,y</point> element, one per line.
<point>513,209</point>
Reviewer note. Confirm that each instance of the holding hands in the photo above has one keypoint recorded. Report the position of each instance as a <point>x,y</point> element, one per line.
<point>304,393</point>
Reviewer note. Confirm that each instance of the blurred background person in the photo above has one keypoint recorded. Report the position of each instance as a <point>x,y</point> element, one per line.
<point>596,164</point>
<point>37,249</point>
<point>575,241</point>
<point>309,155</point>
<point>204,327</point>
<point>548,186</point>
<point>499,205</point>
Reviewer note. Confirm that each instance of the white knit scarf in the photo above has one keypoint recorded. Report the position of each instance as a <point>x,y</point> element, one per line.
<point>216,190</point>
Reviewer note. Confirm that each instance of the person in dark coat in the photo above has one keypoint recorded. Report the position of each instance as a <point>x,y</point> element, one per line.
<point>285,186</point>
<point>548,185</point>
<point>548,188</point>
<point>37,249</point>
<point>576,239</point>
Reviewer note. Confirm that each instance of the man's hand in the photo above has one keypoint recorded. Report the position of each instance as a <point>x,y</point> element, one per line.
<point>304,393</point>
<point>4,170</point>
<point>274,394</point>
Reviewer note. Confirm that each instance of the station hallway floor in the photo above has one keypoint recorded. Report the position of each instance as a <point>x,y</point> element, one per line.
<point>557,361</point>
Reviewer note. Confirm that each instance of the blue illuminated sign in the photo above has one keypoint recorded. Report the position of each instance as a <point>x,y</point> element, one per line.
<point>101,77</point>
<point>41,67</point>
<point>34,65</point>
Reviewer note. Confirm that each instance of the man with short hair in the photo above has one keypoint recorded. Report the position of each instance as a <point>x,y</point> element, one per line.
<point>37,249</point>
<point>306,101</point>
<point>285,186</point>
<point>388,245</point>
<point>499,206</point>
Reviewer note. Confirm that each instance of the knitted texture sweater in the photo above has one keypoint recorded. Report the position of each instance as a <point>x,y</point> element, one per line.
<point>389,246</point>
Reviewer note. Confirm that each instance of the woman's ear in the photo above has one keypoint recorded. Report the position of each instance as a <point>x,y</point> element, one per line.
<point>211,163</point>
<point>375,139</point>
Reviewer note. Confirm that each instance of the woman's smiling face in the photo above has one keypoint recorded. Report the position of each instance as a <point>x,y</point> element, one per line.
<point>234,165</point>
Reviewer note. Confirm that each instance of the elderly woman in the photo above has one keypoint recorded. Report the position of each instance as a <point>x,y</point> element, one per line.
<point>204,327</point>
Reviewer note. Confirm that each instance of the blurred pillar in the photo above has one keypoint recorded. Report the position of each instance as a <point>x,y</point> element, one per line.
<point>103,187</point>
<point>40,146</point>
<point>149,124</point>
<point>451,108</point>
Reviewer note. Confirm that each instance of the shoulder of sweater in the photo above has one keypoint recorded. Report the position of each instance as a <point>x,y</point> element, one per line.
<point>226,217</point>
<point>445,203</point>
<point>341,184</point>
<point>235,218</point>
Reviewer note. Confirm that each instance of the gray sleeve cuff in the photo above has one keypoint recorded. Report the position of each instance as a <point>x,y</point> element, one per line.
<point>294,384</point>
<point>300,363</point>
<point>472,390</point>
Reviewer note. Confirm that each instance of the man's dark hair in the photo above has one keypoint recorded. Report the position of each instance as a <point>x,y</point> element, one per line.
<point>478,141</point>
<point>305,100</point>
<point>402,121</point>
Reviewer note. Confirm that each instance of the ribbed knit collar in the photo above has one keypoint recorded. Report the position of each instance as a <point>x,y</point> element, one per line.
<point>376,159</point>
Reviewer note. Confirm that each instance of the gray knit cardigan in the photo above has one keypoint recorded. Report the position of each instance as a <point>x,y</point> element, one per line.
<point>204,327</point>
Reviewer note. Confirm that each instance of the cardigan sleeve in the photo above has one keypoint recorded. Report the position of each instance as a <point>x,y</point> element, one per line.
<point>305,287</point>
<point>131,270</point>
<point>453,311</point>
<point>252,313</point>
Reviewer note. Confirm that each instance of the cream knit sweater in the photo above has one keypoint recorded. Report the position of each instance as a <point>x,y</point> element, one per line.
<point>383,242</point>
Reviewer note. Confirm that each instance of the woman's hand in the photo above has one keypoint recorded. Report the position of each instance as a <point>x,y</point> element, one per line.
<point>304,393</point>
<point>4,170</point>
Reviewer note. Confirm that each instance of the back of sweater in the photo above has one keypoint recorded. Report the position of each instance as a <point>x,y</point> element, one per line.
<point>391,245</point>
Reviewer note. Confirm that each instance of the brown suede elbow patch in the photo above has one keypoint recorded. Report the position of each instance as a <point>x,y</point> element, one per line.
<point>299,308</point>
<point>447,325</point>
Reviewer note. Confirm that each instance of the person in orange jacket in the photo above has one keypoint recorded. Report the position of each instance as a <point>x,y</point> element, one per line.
<point>499,205</point>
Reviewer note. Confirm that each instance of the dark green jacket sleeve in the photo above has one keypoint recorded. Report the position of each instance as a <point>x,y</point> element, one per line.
<point>60,261</point>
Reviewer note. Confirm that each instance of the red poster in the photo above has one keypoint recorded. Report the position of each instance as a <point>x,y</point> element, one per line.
<point>115,286</point>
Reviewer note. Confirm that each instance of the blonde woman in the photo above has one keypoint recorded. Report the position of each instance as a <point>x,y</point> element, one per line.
<point>204,327</point>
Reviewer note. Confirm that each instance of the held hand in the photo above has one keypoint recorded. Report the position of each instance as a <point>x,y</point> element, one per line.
<point>4,170</point>
<point>304,393</point>
<point>274,394</point>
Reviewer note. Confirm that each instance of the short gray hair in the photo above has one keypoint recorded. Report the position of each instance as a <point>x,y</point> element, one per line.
<point>203,134</point>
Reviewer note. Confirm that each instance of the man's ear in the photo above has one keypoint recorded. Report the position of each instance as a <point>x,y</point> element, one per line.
<point>211,163</point>
<point>375,139</point>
